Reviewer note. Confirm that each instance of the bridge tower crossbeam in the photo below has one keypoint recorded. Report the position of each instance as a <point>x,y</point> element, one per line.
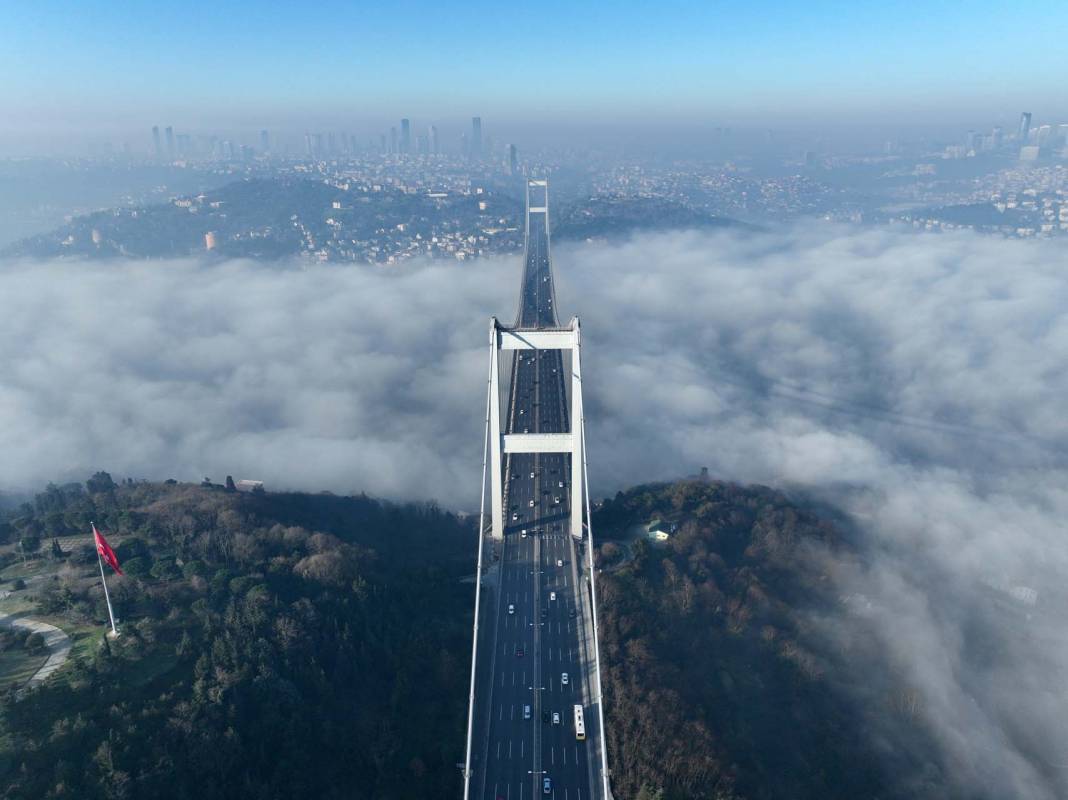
<point>504,339</point>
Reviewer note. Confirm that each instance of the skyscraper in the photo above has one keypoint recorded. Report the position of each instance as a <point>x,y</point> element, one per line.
<point>1025,126</point>
<point>265,141</point>
<point>434,140</point>
<point>307,144</point>
<point>406,137</point>
<point>476,137</point>
<point>157,148</point>
<point>513,159</point>
<point>168,133</point>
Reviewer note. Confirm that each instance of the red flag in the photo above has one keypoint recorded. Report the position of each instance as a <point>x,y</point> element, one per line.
<point>105,551</point>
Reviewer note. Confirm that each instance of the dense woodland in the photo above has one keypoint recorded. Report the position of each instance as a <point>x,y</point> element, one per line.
<point>295,645</point>
<point>273,646</point>
<point>722,680</point>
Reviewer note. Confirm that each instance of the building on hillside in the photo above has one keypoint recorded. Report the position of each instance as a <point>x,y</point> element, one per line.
<point>659,530</point>
<point>249,486</point>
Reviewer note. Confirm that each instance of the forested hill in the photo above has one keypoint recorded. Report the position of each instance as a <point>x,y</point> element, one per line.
<point>273,646</point>
<point>734,669</point>
<point>315,646</point>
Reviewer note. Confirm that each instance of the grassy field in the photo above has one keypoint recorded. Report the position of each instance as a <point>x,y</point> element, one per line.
<point>37,573</point>
<point>18,666</point>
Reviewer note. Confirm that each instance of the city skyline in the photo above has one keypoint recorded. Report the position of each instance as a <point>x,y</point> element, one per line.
<point>690,65</point>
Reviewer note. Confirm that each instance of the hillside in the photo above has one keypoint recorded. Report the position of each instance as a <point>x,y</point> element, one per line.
<point>298,645</point>
<point>608,217</point>
<point>273,646</point>
<point>734,669</point>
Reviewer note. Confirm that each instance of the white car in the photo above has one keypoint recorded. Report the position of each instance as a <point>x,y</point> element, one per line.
<point>532,474</point>
<point>531,504</point>
<point>559,562</point>
<point>552,595</point>
<point>560,484</point>
<point>563,678</point>
<point>515,517</point>
<point>556,718</point>
<point>511,608</point>
<point>523,533</point>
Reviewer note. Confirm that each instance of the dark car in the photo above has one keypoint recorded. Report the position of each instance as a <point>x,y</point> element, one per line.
<point>519,651</point>
<point>544,716</point>
<point>571,613</point>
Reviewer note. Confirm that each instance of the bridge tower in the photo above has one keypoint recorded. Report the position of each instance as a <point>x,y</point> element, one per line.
<point>509,339</point>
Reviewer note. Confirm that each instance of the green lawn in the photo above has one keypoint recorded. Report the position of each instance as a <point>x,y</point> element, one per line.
<point>18,666</point>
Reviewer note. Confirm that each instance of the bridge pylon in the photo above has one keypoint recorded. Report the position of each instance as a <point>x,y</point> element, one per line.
<point>501,444</point>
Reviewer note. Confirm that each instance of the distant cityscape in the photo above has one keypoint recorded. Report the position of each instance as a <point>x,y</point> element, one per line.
<point>406,192</point>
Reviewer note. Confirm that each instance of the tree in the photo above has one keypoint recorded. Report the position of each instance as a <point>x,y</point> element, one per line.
<point>99,483</point>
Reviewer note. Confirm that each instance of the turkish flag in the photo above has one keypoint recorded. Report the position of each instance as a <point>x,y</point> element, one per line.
<point>105,551</point>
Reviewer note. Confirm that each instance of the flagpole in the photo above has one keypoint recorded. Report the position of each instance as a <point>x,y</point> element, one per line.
<point>104,580</point>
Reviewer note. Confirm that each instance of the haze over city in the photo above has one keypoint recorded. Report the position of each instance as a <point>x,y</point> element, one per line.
<point>757,492</point>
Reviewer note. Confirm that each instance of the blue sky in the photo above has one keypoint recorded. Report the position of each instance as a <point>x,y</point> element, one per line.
<point>90,63</point>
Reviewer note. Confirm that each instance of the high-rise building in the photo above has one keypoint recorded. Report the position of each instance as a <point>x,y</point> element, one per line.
<point>168,134</point>
<point>513,159</point>
<point>265,141</point>
<point>406,136</point>
<point>997,135</point>
<point>434,148</point>
<point>307,145</point>
<point>156,147</point>
<point>1043,135</point>
<point>1025,126</point>
<point>382,145</point>
<point>476,137</point>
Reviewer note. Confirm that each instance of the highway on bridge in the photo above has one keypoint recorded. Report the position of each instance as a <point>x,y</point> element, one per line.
<point>533,655</point>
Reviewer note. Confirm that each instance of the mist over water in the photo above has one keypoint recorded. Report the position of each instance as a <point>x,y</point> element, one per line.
<point>914,381</point>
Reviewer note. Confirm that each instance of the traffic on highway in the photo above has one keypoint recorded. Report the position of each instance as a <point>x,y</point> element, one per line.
<point>534,738</point>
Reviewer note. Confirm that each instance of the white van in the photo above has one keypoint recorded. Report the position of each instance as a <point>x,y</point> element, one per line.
<point>526,712</point>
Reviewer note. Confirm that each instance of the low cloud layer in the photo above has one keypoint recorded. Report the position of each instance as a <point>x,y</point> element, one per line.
<point>916,381</point>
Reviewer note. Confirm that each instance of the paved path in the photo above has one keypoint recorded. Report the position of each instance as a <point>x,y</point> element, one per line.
<point>57,642</point>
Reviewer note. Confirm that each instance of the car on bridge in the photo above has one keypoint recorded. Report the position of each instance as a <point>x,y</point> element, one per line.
<point>511,608</point>
<point>559,562</point>
<point>556,718</point>
<point>563,678</point>
<point>518,651</point>
<point>546,785</point>
<point>526,712</point>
